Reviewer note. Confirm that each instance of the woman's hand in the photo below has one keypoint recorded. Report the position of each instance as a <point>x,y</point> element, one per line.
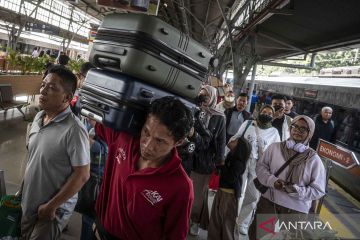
<point>279,184</point>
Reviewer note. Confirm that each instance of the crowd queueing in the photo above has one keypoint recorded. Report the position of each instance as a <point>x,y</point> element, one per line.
<point>150,188</point>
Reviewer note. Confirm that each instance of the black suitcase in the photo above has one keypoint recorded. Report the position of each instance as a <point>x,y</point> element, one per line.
<point>152,50</point>
<point>119,101</point>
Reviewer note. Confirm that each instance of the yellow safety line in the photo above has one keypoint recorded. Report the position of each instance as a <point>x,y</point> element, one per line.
<point>336,225</point>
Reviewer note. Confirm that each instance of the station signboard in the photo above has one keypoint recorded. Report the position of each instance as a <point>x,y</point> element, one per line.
<point>338,155</point>
<point>42,28</point>
<point>139,6</point>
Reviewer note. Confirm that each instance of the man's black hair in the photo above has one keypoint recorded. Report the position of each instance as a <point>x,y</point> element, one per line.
<point>289,98</point>
<point>174,115</point>
<point>68,79</point>
<point>85,67</point>
<point>64,59</point>
<point>279,97</point>
<point>243,94</point>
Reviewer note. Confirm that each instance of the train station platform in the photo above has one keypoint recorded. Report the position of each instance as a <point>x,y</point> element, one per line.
<point>340,207</point>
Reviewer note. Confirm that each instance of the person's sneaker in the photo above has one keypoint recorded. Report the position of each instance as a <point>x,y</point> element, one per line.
<point>194,229</point>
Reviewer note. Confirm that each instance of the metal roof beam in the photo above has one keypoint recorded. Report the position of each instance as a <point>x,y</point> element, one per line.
<point>286,65</point>
<point>280,40</point>
<point>184,21</point>
<point>206,17</point>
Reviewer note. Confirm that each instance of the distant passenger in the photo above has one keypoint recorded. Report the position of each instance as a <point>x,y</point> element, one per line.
<point>254,100</point>
<point>145,193</point>
<point>302,181</point>
<point>63,59</point>
<point>41,54</point>
<point>324,127</point>
<point>227,102</point>
<point>35,52</point>
<point>289,104</point>
<point>281,121</point>
<point>58,160</point>
<point>236,116</point>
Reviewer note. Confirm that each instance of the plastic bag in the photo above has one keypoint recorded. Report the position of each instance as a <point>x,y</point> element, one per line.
<point>10,217</point>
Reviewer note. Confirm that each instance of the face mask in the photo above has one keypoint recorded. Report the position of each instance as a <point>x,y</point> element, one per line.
<point>265,118</point>
<point>277,107</point>
<point>229,99</point>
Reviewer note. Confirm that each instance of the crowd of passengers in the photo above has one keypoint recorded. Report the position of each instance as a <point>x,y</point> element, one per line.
<point>152,186</point>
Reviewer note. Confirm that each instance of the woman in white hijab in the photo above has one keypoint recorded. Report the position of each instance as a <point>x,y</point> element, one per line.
<point>301,182</point>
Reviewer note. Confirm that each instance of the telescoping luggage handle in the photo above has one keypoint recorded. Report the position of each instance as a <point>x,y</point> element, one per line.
<point>91,115</point>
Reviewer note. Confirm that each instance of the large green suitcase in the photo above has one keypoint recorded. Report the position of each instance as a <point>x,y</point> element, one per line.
<point>150,49</point>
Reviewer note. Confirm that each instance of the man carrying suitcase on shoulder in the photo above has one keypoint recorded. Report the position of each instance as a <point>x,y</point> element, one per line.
<point>146,193</point>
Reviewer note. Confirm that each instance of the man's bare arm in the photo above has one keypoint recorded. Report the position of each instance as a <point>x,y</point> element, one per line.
<point>74,183</point>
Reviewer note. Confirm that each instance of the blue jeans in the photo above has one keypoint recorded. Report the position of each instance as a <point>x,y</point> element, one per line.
<point>86,228</point>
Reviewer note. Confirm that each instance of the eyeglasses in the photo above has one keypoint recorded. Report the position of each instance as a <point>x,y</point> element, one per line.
<point>300,129</point>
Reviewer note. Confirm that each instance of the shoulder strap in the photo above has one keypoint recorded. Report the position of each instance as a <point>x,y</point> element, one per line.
<point>288,120</point>
<point>259,140</point>
<point>247,126</point>
<point>285,164</point>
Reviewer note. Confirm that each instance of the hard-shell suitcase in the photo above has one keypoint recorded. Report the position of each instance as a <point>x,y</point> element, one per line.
<point>152,50</point>
<point>119,101</point>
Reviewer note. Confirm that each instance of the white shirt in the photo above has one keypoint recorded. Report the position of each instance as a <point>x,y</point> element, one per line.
<point>266,136</point>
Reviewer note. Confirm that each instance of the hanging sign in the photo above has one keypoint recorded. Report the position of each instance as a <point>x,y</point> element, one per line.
<point>340,156</point>
<point>143,6</point>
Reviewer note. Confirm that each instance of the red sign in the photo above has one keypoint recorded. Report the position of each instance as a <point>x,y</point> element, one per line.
<point>340,156</point>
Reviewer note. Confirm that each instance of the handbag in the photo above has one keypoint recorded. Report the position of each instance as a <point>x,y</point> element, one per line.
<point>262,188</point>
<point>89,192</point>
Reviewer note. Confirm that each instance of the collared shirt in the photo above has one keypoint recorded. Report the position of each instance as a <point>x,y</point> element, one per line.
<point>151,203</point>
<point>236,120</point>
<point>54,149</point>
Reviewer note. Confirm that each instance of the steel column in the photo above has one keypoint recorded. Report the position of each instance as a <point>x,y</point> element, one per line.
<point>251,89</point>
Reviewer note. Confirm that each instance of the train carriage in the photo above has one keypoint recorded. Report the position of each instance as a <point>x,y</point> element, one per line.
<point>311,94</point>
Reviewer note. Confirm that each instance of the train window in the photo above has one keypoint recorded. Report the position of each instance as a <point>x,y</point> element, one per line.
<point>348,132</point>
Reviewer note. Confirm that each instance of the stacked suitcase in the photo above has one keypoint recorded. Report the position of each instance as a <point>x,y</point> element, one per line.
<point>141,58</point>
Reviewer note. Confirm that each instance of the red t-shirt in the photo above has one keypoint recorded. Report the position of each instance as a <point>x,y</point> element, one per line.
<point>153,203</point>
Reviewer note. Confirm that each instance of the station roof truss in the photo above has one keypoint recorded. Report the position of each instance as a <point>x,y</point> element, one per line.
<point>277,28</point>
